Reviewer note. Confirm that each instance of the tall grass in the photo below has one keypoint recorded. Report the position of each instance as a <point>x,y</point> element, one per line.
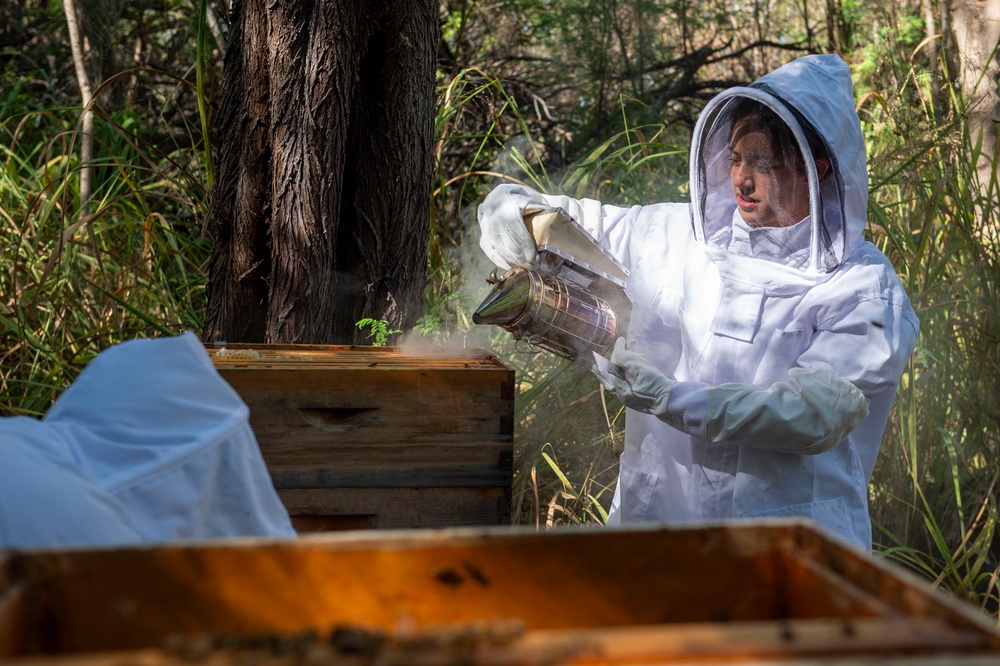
<point>72,285</point>
<point>935,214</point>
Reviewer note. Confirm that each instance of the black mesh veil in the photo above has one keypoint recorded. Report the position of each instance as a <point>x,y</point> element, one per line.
<point>764,183</point>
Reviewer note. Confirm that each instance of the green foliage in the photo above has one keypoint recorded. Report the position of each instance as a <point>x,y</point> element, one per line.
<point>934,213</point>
<point>883,59</point>
<point>73,285</point>
<point>134,265</point>
<point>378,330</point>
<point>572,503</point>
<point>962,564</point>
<point>573,66</point>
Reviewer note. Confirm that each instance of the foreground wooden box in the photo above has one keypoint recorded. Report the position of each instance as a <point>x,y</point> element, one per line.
<point>380,437</point>
<point>756,593</point>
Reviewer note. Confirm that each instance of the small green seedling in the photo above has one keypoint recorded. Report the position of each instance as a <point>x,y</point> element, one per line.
<point>378,330</point>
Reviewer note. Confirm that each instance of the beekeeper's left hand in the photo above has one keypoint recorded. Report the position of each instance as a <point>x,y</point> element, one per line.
<point>809,413</point>
<point>639,385</point>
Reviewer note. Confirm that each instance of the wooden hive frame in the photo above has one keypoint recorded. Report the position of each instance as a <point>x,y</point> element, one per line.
<point>380,437</point>
<point>763,593</point>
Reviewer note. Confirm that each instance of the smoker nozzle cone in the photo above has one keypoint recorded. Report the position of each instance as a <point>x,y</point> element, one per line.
<point>505,304</point>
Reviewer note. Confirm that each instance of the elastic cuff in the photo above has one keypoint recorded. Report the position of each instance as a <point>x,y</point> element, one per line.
<point>687,408</point>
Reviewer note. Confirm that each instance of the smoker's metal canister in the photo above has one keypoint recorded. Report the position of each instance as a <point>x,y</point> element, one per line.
<point>548,312</point>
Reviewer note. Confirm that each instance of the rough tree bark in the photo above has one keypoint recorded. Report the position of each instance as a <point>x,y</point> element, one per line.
<point>87,95</point>
<point>322,199</point>
<point>976,25</point>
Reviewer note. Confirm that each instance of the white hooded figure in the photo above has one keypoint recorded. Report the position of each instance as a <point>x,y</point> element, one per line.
<point>767,337</point>
<point>148,445</point>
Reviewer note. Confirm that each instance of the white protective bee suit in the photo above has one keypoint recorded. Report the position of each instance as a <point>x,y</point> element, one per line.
<point>765,360</point>
<point>148,445</point>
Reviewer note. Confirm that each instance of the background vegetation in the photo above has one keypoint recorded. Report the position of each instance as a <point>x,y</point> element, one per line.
<point>587,97</point>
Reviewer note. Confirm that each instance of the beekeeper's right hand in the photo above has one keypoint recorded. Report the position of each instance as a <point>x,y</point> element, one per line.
<point>638,383</point>
<point>505,239</point>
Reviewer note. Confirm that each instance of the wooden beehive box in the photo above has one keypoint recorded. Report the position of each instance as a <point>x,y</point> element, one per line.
<point>776,592</point>
<point>379,437</point>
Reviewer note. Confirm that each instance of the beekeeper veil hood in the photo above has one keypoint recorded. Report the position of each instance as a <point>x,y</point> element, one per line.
<point>778,169</point>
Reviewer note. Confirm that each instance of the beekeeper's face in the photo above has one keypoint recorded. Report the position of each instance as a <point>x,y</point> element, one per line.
<point>770,189</point>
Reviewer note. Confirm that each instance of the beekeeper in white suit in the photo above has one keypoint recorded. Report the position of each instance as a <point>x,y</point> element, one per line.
<point>767,337</point>
<point>148,445</point>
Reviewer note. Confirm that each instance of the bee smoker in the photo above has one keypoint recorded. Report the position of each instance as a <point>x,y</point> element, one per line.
<point>571,303</point>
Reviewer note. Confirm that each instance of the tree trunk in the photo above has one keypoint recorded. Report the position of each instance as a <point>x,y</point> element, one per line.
<point>976,27</point>
<point>321,205</point>
<point>87,116</point>
<point>932,35</point>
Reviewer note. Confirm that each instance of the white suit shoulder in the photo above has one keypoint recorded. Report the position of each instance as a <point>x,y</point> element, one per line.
<point>867,275</point>
<point>863,306</point>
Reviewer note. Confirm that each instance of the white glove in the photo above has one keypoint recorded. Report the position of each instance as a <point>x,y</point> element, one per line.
<point>810,413</point>
<point>639,385</point>
<point>505,239</point>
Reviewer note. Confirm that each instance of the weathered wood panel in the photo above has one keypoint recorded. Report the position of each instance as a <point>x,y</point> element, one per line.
<point>726,594</point>
<point>329,509</point>
<point>370,418</point>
